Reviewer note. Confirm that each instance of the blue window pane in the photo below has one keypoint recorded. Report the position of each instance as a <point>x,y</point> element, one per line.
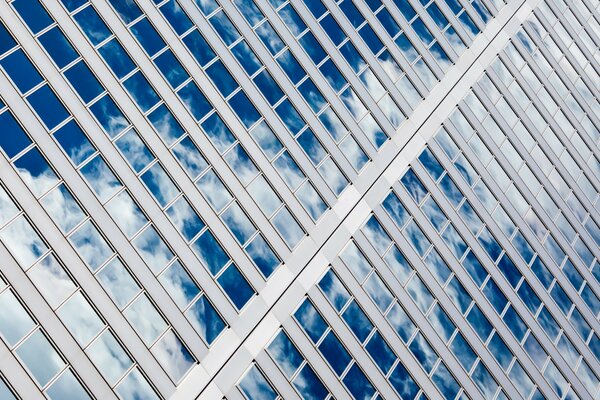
<point>13,138</point>
<point>175,15</point>
<point>335,353</point>
<point>74,142</point>
<point>291,67</point>
<point>423,352</point>
<point>310,320</point>
<point>160,184</point>
<point>190,157</point>
<point>250,11</point>
<point>312,46</point>
<point>495,296</point>
<point>84,81</point>
<point>194,100</point>
<point>179,285</point>
<point>92,25</point>
<point>218,132</point>
<point>256,387</point>
<point>33,13</point>
<point>244,109</point>
<point>292,19</point>
<point>381,352</point>
<point>290,117</point>
<point>239,223</point>
<point>236,286</point>
<point>431,164</point>
<point>171,68</point>
<point>463,351</point>
<point>332,29</point>
<point>199,48</point>
<point>165,124</point>
<point>509,270</point>
<point>333,75</point>
<point>263,256</point>
<point>414,186</point>
<point>403,382</point>
<point>445,382</point>
<point>100,177</point>
<point>36,172</point>
<point>358,384</point>
<point>357,321</point>
<point>311,146</point>
<point>153,249</point>
<point>309,385</point>
<point>378,292</point>
<point>270,38</point>
<point>474,268</point>
<point>268,87</point>
<point>58,46</point>
<point>376,235</point>
<point>479,323</point>
<point>210,252</point>
<point>134,150</point>
<point>371,39</point>
<point>21,71</point>
<point>214,190</point>
<point>224,27</point>
<point>335,291</point>
<point>222,78</point>
<point>147,36</point>
<point>246,57</point>
<point>398,264</point>
<point>127,9</point>
<point>73,4</point>
<point>205,319</point>
<point>109,116</point>
<point>90,245</point>
<point>353,57</point>
<point>396,210</point>
<point>185,218</point>
<point>6,40</point>
<point>143,94</point>
<point>285,354</point>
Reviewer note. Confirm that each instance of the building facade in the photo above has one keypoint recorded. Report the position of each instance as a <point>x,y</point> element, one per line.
<point>299,199</point>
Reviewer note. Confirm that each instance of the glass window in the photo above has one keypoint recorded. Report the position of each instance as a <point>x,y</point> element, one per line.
<point>171,68</point>
<point>84,81</point>
<point>263,256</point>
<point>145,33</point>
<point>255,386</point>
<point>117,58</point>
<point>239,223</point>
<point>190,157</point>
<point>147,322</point>
<point>205,319</point>
<point>381,352</point>
<point>102,180</point>
<point>285,354</point>
<point>136,386</point>
<point>160,184</point>
<point>118,282</point>
<point>185,218</point>
<point>36,172</point>
<point>66,387</point>
<point>210,252</point>
<point>40,358</point>
<point>222,78</point>
<point>357,321</point>
<point>404,384</point>
<point>288,227</point>
<point>23,242</point>
<point>335,353</point>
<point>335,291</point>
<point>92,25</point>
<point>14,139</point>
<point>172,354</point>
<point>21,71</point>
<point>236,286</point>
<point>218,132</point>
<point>34,15</point>
<point>47,106</point>
<point>214,190</point>
<point>380,294</point>
<point>109,116</point>
<point>51,280</point>
<point>109,357</point>
<point>179,284</point>
<point>141,91</point>
<point>74,142</point>
<point>80,319</point>
<point>90,245</point>
<point>358,384</point>
<point>310,320</point>
<point>153,249</point>
<point>16,322</point>
<point>126,213</point>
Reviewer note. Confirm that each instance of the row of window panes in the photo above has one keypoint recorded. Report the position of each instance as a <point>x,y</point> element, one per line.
<point>304,84</point>
<point>530,217</point>
<point>387,61</point>
<point>506,266</point>
<point>162,119</point>
<point>296,368</point>
<point>28,247</point>
<point>26,339</point>
<point>492,291</point>
<point>428,304</point>
<point>261,132</point>
<point>296,125</point>
<point>359,66</point>
<point>105,184</point>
